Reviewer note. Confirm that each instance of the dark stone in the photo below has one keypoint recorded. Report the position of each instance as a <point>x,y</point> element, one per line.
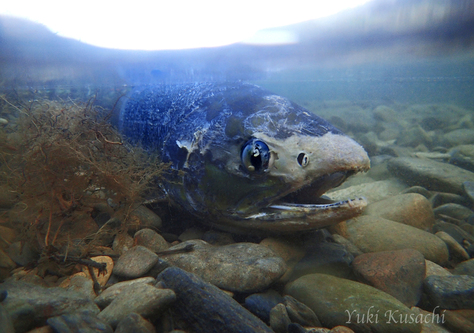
<point>450,292</point>
<point>453,210</point>
<point>300,313</point>
<point>206,308</point>
<point>260,304</point>
<point>454,231</point>
<point>468,188</point>
<point>6,324</point>
<point>84,322</point>
<point>464,268</point>
<point>279,319</point>
<point>135,263</point>
<point>134,323</point>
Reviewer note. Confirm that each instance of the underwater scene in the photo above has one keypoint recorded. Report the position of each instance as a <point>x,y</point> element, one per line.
<point>322,185</point>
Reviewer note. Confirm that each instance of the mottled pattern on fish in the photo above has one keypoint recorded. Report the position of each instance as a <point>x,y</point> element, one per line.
<point>219,133</point>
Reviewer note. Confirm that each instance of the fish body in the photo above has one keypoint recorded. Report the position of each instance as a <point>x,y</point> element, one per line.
<point>252,160</point>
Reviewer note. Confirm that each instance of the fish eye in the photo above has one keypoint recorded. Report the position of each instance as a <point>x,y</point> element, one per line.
<point>256,156</point>
<point>303,159</point>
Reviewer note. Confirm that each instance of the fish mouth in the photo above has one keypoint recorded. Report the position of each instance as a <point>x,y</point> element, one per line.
<point>307,208</point>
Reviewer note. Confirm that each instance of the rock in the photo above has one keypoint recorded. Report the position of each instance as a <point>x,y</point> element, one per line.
<point>215,237</point>
<point>434,176</point>
<point>141,218</point>
<point>431,321</point>
<point>109,294</point>
<point>239,267</point>
<point>457,323</point>
<point>464,268</point>
<point>151,240</point>
<point>279,319</point>
<point>122,243</point>
<point>136,262</point>
<point>324,257</point>
<point>78,322</point>
<point>6,262</point>
<point>190,234</point>
<point>375,234</point>
<point>206,308</point>
<point>456,251</point>
<point>418,189</point>
<point>441,198</point>
<point>463,157</point>
<point>26,302</point>
<point>139,298</point>
<point>450,292</point>
<point>410,209</point>
<point>103,276</point>
<point>343,302</point>
<point>413,137</point>
<point>7,198</point>
<point>373,192</point>
<point>5,320</point>
<point>82,285</point>
<point>134,323</point>
<point>300,313</point>
<point>398,273</point>
<point>350,247</point>
<point>435,269</point>
<point>454,231</point>
<point>260,304</point>
<point>453,210</point>
<point>462,136</point>
<point>468,188</point>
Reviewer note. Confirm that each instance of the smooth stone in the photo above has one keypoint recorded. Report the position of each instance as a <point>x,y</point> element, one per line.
<point>239,267</point>
<point>455,322</point>
<point>462,136</point>
<point>464,268</point>
<point>134,323</point>
<point>25,303</point>
<point>435,269</point>
<point>373,192</point>
<point>454,231</point>
<point>279,319</point>
<point>341,302</point>
<point>456,211</point>
<point>376,234</point>
<point>410,209</point>
<point>122,243</point>
<point>135,263</point>
<point>6,323</point>
<point>300,313</point>
<point>8,235</point>
<point>398,273</point>
<point>431,322</point>
<point>468,188</point>
<point>206,308</point>
<point>419,190</point>
<point>190,234</point>
<point>6,262</point>
<point>143,217</point>
<point>139,298</point>
<point>456,252</point>
<point>151,240</point>
<point>463,156</point>
<point>109,294</point>
<point>442,198</point>
<point>82,285</point>
<point>260,304</point>
<point>412,137</point>
<point>104,276</point>
<point>434,176</point>
<point>326,258</point>
<point>350,247</point>
<point>84,322</point>
<point>215,237</point>
<point>450,292</point>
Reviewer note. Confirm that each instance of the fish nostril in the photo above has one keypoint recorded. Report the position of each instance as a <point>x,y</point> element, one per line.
<point>303,159</point>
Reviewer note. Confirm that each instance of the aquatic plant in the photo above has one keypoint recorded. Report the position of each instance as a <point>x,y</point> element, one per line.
<point>64,163</point>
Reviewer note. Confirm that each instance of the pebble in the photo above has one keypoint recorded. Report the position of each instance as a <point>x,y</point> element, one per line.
<point>197,301</point>
<point>456,252</point>
<point>139,298</point>
<point>441,198</point>
<point>373,192</point>
<point>410,209</point>
<point>150,239</point>
<point>468,188</point>
<point>350,247</point>
<point>375,234</point>
<point>454,231</point>
<point>462,136</point>
<point>78,322</point>
<point>82,285</point>
<point>457,323</point>
<point>122,243</point>
<point>398,273</point>
<point>450,292</point>
<point>463,156</point>
<point>432,323</point>
<point>134,323</point>
<point>26,302</point>
<point>109,294</point>
<point>215,237</point>
<point>135,263</point>
<point>434,176</point>
<point>143,217</point>
<point>6,322</point>
<point>279,319</point>
<point>300,313</point>
<point>239,267</point>
<point>104,276</point>
<point>464,268</point>
<point>191,233</point>
<point>453,210</point>
<point>339,301</point>
<point>260,304</point>
<point>435,269</point>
